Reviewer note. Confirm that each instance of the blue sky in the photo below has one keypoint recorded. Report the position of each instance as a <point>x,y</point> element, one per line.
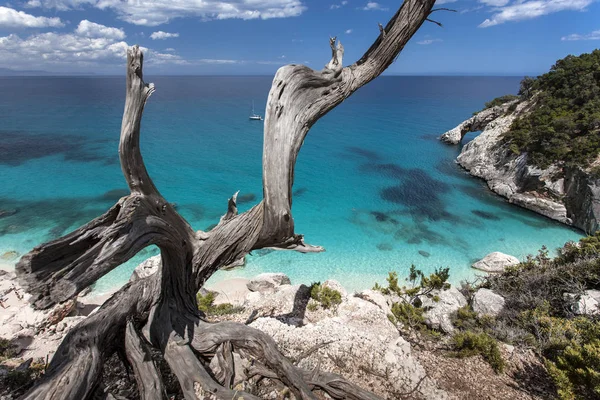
<point>489,37</point>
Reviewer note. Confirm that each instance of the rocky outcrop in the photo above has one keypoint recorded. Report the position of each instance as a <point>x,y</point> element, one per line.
<point>495,262</point>
<point>568,195</point>
<point>441,307</point>
<point>477,122</point>
<point>486,302</point>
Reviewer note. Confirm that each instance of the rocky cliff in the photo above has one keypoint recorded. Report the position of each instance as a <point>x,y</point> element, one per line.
<point>569,195</point>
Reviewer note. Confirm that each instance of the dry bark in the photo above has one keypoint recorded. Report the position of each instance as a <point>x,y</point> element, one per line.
<point>160,310</point>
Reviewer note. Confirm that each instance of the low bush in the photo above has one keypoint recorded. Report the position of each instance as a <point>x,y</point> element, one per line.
<point>325,296</point>
<point>207,306</point>
<point>470,343</point>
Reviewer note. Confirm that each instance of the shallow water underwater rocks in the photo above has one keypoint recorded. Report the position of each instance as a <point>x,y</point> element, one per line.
<point>7,213</point>
<point>424,253</point>
<point>114,195</point>
<point>486,215</point>
<point>9,255</point>
<point>18,147</point>
<point>495,262</point>
<point>246,198</point>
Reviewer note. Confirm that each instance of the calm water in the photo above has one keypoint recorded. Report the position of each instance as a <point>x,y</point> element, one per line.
<point>373,184</point>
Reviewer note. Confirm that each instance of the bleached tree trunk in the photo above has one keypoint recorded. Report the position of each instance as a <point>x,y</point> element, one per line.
<point>160,311</point>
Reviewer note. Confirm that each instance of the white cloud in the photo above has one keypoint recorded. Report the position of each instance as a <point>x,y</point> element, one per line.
<point>156,12</point>
<point>169,49</point>
<point>89,44</point>
<point>10,18</point>
<point>160,35</point>
<point>438,2</point>
<point>522,10</point>
<point>495,3</point>
<point>373,6</point>
<point>595,35</point>
<point>429,41</point>
<point>94,30</point>
<point>336,6</point>
<point>348,31</point>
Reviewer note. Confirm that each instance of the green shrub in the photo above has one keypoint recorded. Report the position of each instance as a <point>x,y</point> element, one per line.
<point>470,343</point>
<point>207,306</point>
<point>409,310</point>
<point>7,349</point>
<point>498,101</point>
<point>325,296</point>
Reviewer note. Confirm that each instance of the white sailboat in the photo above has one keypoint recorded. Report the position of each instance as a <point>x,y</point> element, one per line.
<point>254,116</point>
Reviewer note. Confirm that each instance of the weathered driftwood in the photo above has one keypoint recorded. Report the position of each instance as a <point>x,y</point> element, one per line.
<point>160,310</point>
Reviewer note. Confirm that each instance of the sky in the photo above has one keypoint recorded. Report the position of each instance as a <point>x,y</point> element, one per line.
<point>247,37</point>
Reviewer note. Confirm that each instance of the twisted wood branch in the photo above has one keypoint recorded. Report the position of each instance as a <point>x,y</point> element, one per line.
<point>162,306</point>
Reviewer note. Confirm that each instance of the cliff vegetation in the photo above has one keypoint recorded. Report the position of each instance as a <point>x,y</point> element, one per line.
<point>563,124</point>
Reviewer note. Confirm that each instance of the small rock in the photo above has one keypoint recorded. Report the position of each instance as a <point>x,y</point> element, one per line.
<point>424,253</point>
<point>486,302</point>
<point>9,255</point>
<point>267,282</point>
<point>495,262</point>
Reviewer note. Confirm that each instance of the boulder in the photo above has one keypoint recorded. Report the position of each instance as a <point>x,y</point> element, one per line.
<point>286,302</point>
<point>486,302</point>
<point>377,298</point>
<point>495,262</point>
<point>359,338</point>
<point>586,304</point>
<point>146,268</point>
<point>268,282</point>
<point>438,312</point>
<point>232,291</point>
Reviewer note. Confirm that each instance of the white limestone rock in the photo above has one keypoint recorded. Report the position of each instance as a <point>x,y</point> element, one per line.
<point>268,282</point>
<point>495,262</point>
<point>586,304</point>
<point>486,302</point>
<point>146,268</point>
<point>438,312</point>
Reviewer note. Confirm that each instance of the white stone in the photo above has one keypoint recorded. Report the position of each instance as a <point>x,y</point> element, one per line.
<point>438,312</point>
<point>486,302</point>
<point>587,304</point>
<point>267,282</point>
<point>495,262</point>
<point>146,268</point>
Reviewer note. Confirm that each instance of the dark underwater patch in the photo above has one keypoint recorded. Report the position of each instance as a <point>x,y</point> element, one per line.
<point>486,215</point>
<point>114,195</point>
<point>368,154</point>
<point>424,253</point>
<point>246,198</point>
<point>17,147</point>
<point>61,214</point>
<point>299,191</point>
<point>385,247</point>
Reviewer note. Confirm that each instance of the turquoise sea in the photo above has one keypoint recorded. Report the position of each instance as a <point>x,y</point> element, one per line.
<point>373,184</point>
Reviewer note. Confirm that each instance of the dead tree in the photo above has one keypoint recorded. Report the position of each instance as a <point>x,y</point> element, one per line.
<point>160,311</point>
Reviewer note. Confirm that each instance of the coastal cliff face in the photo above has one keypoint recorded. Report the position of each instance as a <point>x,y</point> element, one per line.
<point>569,195</point>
